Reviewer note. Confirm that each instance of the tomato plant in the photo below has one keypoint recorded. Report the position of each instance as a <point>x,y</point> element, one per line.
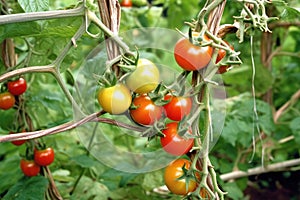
<point>173,143</point>
<point>145,112</point>
<point>192,57</point>
<point>29,167</point>
<point>7,100</point>
<point>17,87</point>
<point>177,107</point>
<point>126,3</point>
<point>175,180</point>
<point>115,99</point>
<point>44,157</point>
<point>144,78</point>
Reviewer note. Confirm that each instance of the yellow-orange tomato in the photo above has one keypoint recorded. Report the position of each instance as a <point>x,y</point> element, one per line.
<point>115,99</point>
<point>145,78</point>
<point>173,172</point>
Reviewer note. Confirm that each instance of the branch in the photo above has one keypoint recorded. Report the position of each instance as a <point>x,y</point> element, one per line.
<point>68,126</point>
<point>283,24</point>
<point>293,99</point>
<point>40,69</point>
<point>26,17</point>
<point>260,170</point>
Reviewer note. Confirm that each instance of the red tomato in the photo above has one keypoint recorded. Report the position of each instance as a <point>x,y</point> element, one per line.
<point>221,54</point>
<point>172,174</point>
<point>191,57</point>
<point>178,107</point>
<point>146,112</point>
<point>7,100</point>
<point>126,3</point>
<point>29,167</point>
<point>44,157</point>
<point>18,142</point>
<point>17,87</point>
<point>173,143</point>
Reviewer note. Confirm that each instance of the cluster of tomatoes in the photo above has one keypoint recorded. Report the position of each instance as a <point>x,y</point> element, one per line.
<point>31,165</point>
<point>134,95</point>
<point>14,88</point>
<point>138,95</point>
<point>34,159</point>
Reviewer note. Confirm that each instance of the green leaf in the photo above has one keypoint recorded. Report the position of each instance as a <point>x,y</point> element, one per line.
<point>152,180</point>
<point>33,188</point>
<point>84,161</point>
<point>34,5</point>
<point>90,189</point>
<point>290,13</point>
<point>234,192</point>
<point>19,29</point>
<point>231,132</point>
<point>295,127</point>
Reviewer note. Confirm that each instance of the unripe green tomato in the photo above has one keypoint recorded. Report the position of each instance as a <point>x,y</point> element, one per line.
<point>115,99</point>
<point>144,78</point>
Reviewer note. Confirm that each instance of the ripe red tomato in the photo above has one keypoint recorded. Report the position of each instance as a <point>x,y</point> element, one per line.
<point>126,3</point>
<point>29,167</point>
<point>17,142</point>
<point>191,57</point>
<point>7,100</point>
<point>17,87</point>
<point>221,54</point>
<point>172,174</point>
<point>178,107</point>
<point>44,157</point>
<point>146,112</point>
<point>173,143</point>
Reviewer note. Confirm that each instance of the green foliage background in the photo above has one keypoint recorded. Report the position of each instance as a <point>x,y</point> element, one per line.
<point>39,43</point>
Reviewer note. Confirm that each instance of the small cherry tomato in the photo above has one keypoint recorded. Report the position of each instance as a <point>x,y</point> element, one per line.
<point>191,57</point>
<point>29,167</point>
<point>115,99</point>
<point>173,143</point>
<point>126,3</point>
<point>145,111</point>
<point>18,142</point>
<point>178,107</point>
<point>44,157</point>
<point>17,87</point>
<point>172,175</point>
<point>7,100</point>
<point>221,54</point>
<point>145,78</point>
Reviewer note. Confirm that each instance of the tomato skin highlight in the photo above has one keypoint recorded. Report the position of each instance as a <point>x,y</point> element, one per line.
<point>174,171</point>
<point>44,157</point>
<point>173,143</point>
<point>29,167</point>
<point>145,78</point>
<point>17,87</point>
<point>115,99</point>
<point>191,57</point>
<point>146,112</point>
<point>178,107</point>
<point>7,100</point>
